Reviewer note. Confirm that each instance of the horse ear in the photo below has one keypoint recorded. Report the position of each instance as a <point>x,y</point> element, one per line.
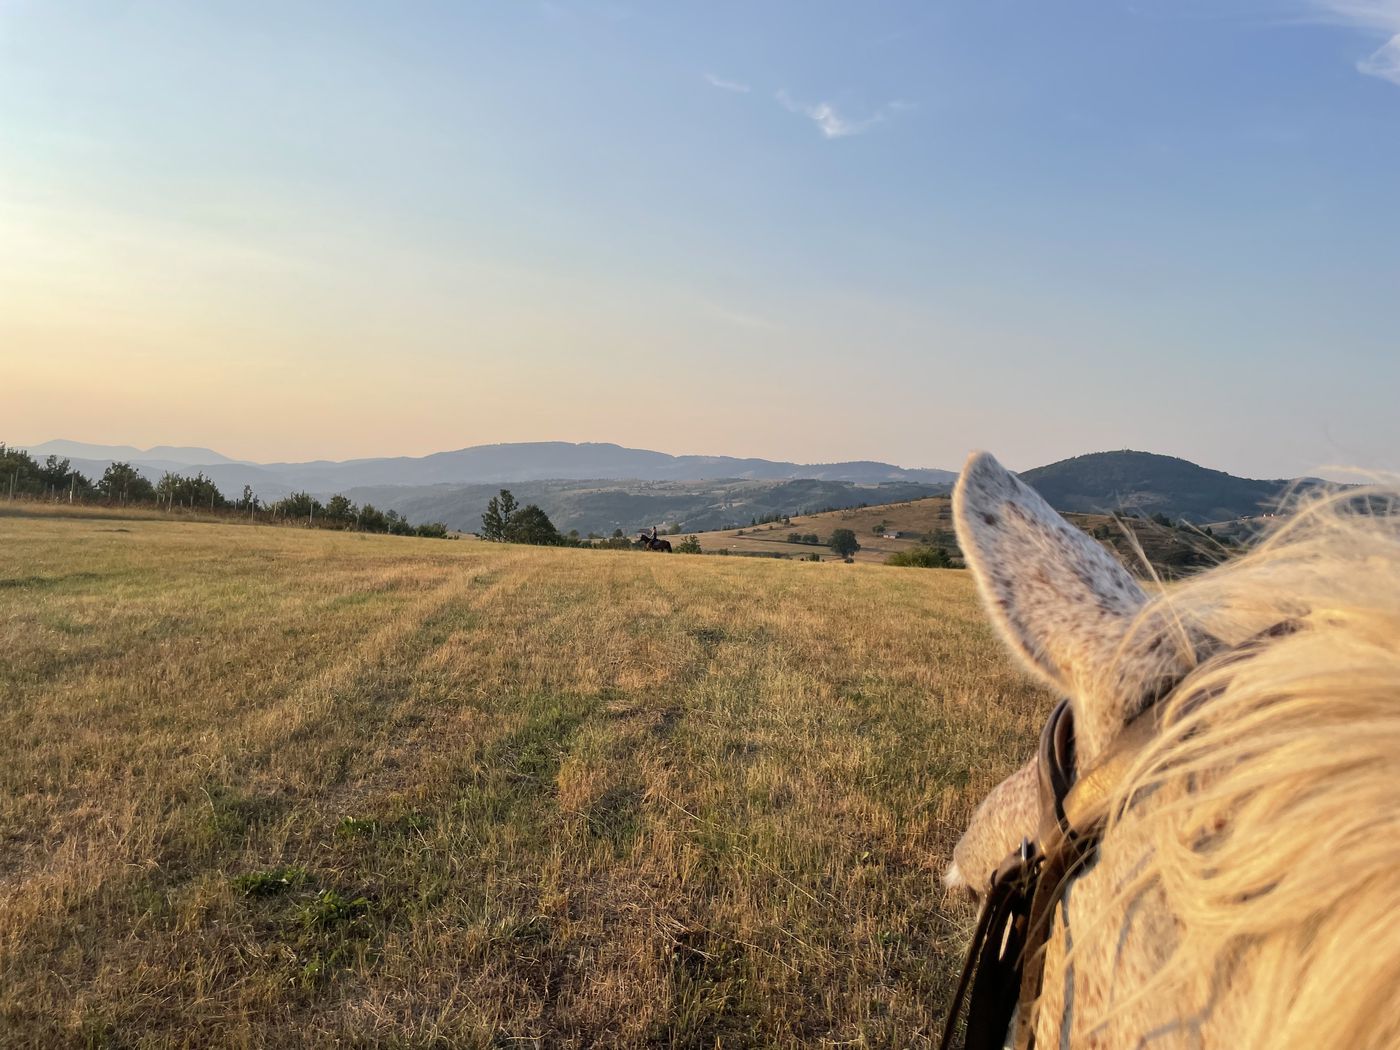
<point>1065,605</point>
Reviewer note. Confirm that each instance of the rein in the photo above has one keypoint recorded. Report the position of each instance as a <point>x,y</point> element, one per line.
<point>1006,961</point>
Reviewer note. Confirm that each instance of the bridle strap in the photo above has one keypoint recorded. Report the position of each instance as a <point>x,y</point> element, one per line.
<point>1006,965</point>
<point>989,981</point>
<point>1073,814</point>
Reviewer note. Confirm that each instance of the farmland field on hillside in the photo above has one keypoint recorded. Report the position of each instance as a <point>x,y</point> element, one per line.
<point>898,527</point>
<point>904,525</point>
<point>282,787</point>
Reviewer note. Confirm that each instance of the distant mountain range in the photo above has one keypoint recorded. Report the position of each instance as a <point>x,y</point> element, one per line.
<point>175,454</point>
<point>598,487</point>
<point>481,464</point>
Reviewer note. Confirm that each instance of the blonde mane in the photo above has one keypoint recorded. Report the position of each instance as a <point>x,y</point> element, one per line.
<point>1273,831</point>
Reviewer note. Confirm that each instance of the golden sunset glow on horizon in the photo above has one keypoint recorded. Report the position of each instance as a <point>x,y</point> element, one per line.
<point>303,232</point>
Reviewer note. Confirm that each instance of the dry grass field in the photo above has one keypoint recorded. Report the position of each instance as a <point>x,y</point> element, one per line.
<point>274,787</point>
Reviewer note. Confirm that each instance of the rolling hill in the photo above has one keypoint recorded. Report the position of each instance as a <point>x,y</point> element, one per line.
<point>1146,483</point>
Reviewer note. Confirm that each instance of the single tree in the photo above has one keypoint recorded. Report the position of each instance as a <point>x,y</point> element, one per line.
<point>843,543</point>
<point>54,473</point>
<point>340,508</point>
<point>689,545</point>
<point>496,522</point>
<point>372,519</point>
<point>532,525</point>
<point>123,483</point>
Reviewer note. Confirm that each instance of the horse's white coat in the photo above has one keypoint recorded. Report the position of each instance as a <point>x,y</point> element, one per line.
<point>1123,969</point>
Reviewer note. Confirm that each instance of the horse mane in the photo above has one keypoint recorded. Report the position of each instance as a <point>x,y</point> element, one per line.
<point>1274,829</point>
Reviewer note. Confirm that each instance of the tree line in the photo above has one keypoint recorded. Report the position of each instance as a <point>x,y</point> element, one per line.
<point>121,484</point>
<point>842,542</point>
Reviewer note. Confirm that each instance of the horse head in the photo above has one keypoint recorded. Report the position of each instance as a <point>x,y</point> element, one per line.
<point>1245,865</point>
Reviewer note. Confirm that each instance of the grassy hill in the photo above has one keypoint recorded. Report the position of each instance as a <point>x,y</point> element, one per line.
<point>1146,483</point>
<point>911,519</point>
<point>1169,551</point>
<point>276,787</point>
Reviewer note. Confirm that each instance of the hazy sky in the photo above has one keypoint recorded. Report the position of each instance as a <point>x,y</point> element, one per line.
<point>808,231</point>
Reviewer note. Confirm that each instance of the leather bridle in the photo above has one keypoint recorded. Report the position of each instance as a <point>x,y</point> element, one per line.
<point>1006,961</point>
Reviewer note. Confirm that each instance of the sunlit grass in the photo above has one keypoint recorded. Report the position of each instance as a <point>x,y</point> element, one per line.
<point>275,787</point>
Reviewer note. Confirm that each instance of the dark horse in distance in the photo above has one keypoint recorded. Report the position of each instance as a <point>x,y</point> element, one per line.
<point>652,543</point>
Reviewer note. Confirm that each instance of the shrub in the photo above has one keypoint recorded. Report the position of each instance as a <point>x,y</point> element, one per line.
<point>922,558</point>
<point>269,883</point>
<point>329,909</point>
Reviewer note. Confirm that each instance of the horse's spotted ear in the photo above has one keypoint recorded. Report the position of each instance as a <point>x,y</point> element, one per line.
<point>1061,600</point>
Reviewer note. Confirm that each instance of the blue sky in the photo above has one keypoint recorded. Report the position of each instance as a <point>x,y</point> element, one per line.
<point>812,231</point>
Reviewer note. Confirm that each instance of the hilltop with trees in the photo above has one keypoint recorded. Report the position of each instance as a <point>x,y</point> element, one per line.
<point>1145,483</point>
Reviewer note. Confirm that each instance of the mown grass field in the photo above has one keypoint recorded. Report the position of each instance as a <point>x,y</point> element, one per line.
<point>273,787</point>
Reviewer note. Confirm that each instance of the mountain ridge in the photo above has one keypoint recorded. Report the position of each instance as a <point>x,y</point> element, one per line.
<point>498,463</point>
<point>607,478</point>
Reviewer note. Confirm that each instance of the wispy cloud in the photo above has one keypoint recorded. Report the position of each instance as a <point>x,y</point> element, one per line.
<point>1378,16</point>
<point>726,85</point>
<point>1384,62</point>
<point>740,319</point>
<point>833,124</point>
